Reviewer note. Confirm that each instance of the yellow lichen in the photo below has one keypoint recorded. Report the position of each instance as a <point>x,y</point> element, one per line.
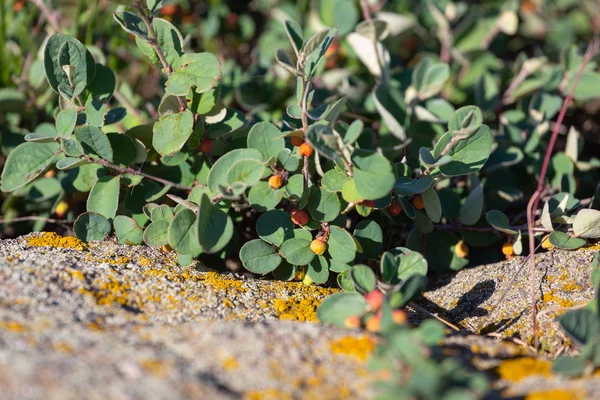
<point>556,394</point>
<point>269,394</point>
<point>359,347</point>
<point>117,260</point>
<point>144,262</point>
<point>158,368</point>
<point>552,297</point>
<point>112,291</point>
<point>518,369</point>
<point>297,310</point>
<point>51,239</point>
<point>230,363</point>
<point>13,326</point>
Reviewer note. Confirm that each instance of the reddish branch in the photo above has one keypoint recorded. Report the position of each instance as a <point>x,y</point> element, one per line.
<point>534,201</point>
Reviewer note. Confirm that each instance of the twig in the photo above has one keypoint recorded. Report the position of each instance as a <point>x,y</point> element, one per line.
<point>48,14</point>
<point>154,43</point>
<point>304,106</point>
<point>534,201</point>
<point>426,312</point>
<point>132,171</point>
<point>449,146</point>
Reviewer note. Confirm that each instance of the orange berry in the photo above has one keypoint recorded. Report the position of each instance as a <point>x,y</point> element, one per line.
<point>296,141</point>
<point>417,202</point>
<point>61,209</point>
<point>206,145</point>
<point>400,317</point>
<point>275,181</point>
<point>306,150</point>
<point>318,246</point>
<point>299,274</point>
<point>374,299</point>
<point>546,243</point>
<point>49,174</point>
<point>373,324</point>
<point>461,249</point>
<point>395,208</point>
<point>299,217</point>
<point>169,9</point>
<point>352,322</point>
<point>507,249</point>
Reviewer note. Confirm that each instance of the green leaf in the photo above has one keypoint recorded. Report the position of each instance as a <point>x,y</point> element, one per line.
<point>104,197</point>
<point>323,205</point>
<point>411,264</point>
<point>499,221</point>
<point>429,77</point>
<point>363,277</point>
<point>370,236</point>
<point>470,212</point>
<point>468,155</point>
<point>94,141</point>
<point>411,288</point>
<point>70,162</point>
<point>433,206</point>
<point>91,227</point>
<point>373,175</point>
<point>334,180</point>
<point>52,61</point>
<point>341,245</point>
<point>25,162</point>
<point>168,38</point>
<point>172,131</point>
<point>218,173</point>
<point>339,306</point>
<point>215,227</point>
<point>564,241</point>
<point>468,118</point>
<point>259,257</point>
<point>318,270</point>
<point>263,197</point>
<point>410,187</point>
<point>266,138</point>
<point>321,137</point>
<point>72,59</point>
<point>569,366</point>
<point>248,172</point>
<point>274,226</point>
<point>65,122</point>
<point>294,32</point>
<point>284,272</point>
<point>183,232</point>
<point>588,87</point>
<point>392,109</point>
<point>72,148</point>
<point>587,224</point>
<point>133,24</point>
<point>233,121</point>
<point>288,160</point>
<point>581,324</point>
<point>341,13</point>
<point>350,193</point>
<point>297,251</point>
<point>157,233</point>
<point>201,71</point>
<point>127,230</point>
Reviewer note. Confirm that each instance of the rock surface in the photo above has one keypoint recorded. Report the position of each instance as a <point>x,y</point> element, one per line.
<point>126,322</point>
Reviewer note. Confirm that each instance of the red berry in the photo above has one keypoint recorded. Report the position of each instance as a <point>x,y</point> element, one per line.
<point>296,141</point>
<point>368,203</point>
<point>299,217</point>
<point>395,208</point>
<point>206,145</point>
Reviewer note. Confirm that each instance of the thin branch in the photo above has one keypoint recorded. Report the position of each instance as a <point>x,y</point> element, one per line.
<point>304,106</point>
<point>154,43</point>
<point>446,150</point>
<point>50,15</point>
<point>132,171</point>
<point>534,201</point>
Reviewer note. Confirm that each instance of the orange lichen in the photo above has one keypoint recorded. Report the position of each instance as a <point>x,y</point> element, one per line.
<point>552,297</point>
<point>297,310</point>
<point>51,239</point>
<point>518,369</point>
<point>359,347</point>
<point>230,363</point>
<point>556,394</point>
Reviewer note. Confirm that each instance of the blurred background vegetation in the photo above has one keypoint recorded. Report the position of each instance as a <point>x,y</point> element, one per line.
<point>486,56</point>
